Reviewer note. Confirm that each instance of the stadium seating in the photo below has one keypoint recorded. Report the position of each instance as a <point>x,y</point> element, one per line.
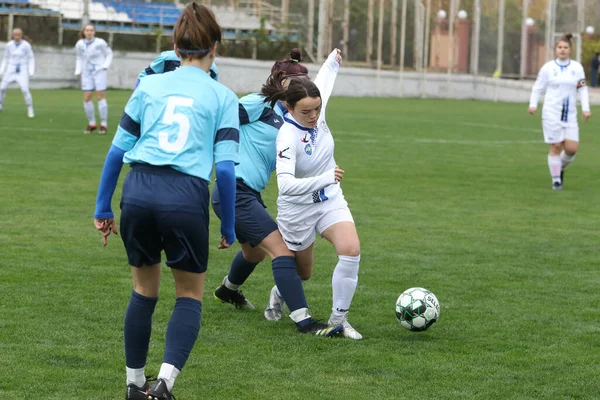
<point>136,16</point>
<point>23,7</point>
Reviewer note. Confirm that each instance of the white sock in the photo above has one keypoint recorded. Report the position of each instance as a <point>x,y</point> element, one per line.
<point>277,291</point>
<point>554,165</point>
<point>299,315</point>
<point>137,376</point>
<point>229,285</point>
<point>103,110</point>
<point>88,106</point>
<point>28,99</point>
<point>169,373</point>
<point>565,159</point>
<point>343,283</point>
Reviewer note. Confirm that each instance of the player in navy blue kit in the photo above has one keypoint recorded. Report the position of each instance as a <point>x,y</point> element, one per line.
<point>175,127</point>
<point>255,229</point>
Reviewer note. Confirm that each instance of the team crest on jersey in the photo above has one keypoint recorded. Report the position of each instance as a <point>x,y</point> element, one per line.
<point>308,149</point>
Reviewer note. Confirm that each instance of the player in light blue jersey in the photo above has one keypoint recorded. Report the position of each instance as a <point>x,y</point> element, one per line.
<point>168,61</point>
<point>174,128</point>
<point>255,229</point>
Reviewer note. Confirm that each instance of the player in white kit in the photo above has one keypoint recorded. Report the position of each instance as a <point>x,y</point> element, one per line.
<point>561,79</point>
<point>93,60</point>
<point>18,64</point>
<point>310,197</point>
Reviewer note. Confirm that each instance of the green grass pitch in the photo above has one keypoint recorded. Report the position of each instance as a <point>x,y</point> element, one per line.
<point>454,196</point>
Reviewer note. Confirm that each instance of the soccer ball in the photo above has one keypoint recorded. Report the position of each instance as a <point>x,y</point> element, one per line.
<point>417,309</point>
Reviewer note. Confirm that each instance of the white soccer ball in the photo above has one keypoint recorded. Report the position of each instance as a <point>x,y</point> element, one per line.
<point>417,309</point>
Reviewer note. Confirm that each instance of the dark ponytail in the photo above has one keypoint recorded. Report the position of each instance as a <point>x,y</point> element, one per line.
<point>196,32</point>
<point>292,66</point>
<point>297,90</point>
<point>273,90</point>
<point>566,38</point>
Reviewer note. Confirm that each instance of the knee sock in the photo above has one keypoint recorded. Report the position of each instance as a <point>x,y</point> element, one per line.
<point>343,282</point>
<point>2,96</point>
<point>103,111</point>
<point>554,165</point>
<point>239,271</point>
<point>138,327</point>
<point>90,113</point>
<point>182,333</point>
<point>289,285</point>
<point>28,99</point>
<point>566,159</point>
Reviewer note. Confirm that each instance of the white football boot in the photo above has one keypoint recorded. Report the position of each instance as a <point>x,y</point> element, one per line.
<point>349,331</point>
<point>274,309</point>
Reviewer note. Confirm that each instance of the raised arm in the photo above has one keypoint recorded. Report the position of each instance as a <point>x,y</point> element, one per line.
<point>286,170</point>
<point>325,79</point>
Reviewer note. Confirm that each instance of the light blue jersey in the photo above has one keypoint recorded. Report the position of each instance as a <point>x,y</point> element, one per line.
<point>168,61</point>
<point>183,119</point>
<point>259,125</point>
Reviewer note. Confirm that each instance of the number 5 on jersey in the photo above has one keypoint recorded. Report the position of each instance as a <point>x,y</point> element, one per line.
<point>172,117</point>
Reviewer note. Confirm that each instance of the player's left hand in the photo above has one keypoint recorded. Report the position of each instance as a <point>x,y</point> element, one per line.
<point>223,244</point>
<point>586,115</point>
<point>106,226</point>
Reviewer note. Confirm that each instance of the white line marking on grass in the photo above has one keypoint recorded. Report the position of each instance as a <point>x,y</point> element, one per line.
<point>365,137</point>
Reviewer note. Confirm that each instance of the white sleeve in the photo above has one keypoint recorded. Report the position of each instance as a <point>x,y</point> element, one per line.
<point>4,59</point>
<point>582,88</point>
<point>326,78</point>
<point>286,170</point>
<point>31,61</point>
<point>78,59</point>
<point>541,83</point>
<point>108,54</point>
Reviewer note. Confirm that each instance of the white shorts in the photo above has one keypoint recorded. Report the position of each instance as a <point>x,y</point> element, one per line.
<point>298,223</point>
<point>557,132</point>
<point>22,79</point>
<point>94,80</point>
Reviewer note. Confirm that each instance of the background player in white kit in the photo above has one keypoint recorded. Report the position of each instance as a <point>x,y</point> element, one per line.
<point>93,59</point>
<point>310,197</point>
<point>561,79</point>
<point>18,64</point>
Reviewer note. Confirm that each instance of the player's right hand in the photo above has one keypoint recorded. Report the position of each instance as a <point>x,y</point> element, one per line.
<point>227,239</point>
<point>339,174</point>
<point>532,110</point>
<point>106,226</point>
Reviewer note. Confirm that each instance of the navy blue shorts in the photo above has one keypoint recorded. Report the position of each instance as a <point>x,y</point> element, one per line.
<point>163,209</point>
<point>252,221</point>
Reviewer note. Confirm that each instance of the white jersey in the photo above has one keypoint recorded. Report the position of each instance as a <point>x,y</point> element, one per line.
<point>18,58</point>
<point>561,80</point>
<point>305,163</point>
<point>92,56</point>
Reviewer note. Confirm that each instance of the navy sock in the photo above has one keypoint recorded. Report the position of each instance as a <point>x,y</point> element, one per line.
<point>240,269</point>
<point>138,327</point>
<point>182,331</point>
<point>289,283</point>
